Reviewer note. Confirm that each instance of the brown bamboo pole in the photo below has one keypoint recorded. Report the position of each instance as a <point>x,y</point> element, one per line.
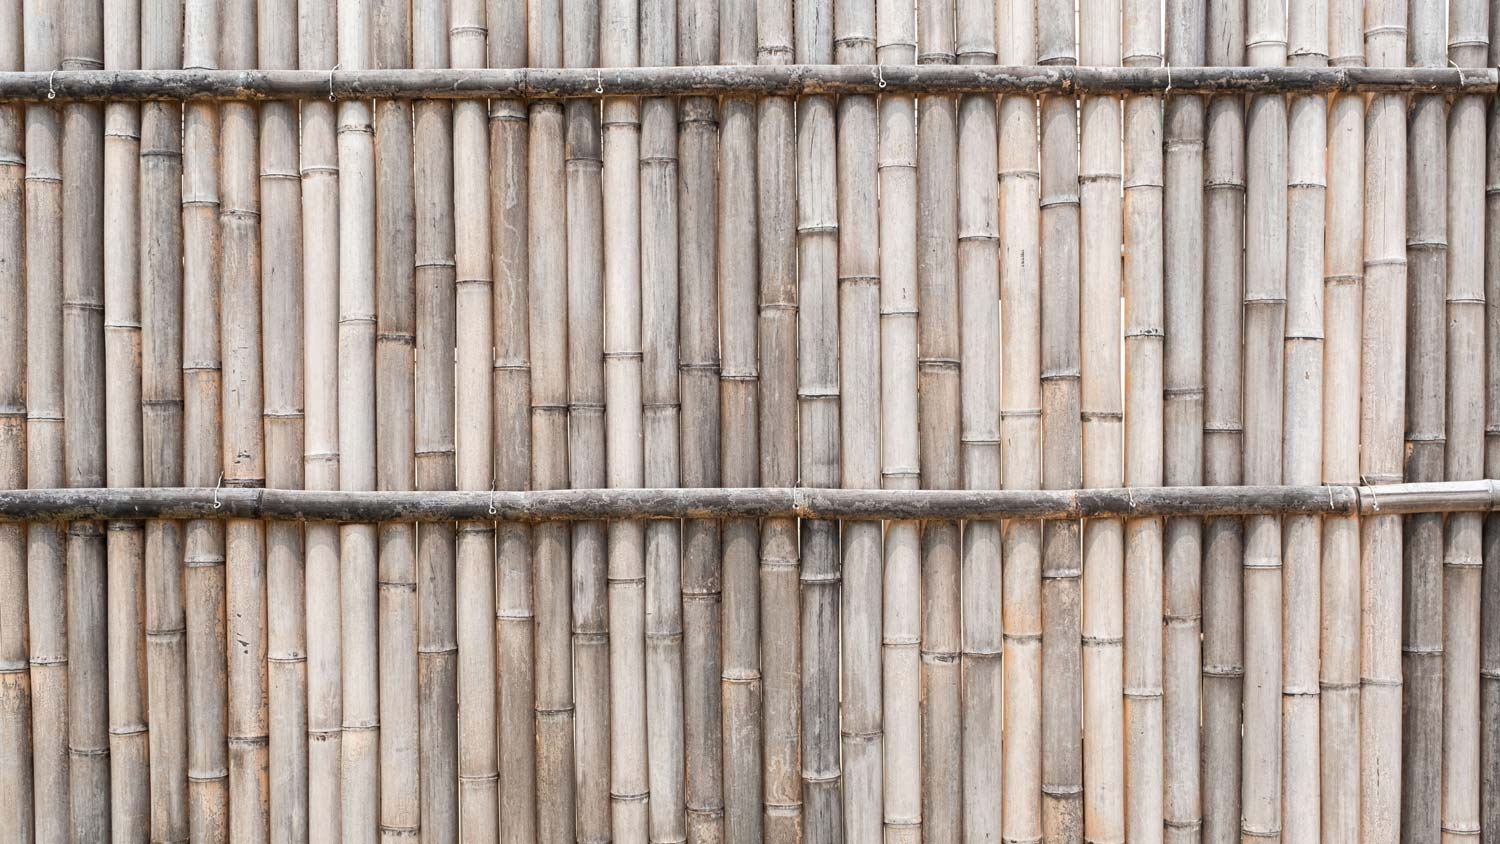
<point>939,432</point>
<point>780,611</point>
<point>739,445</point>
<point>901,630</point>
<point>1382,409</point>
<point>1144,436</point>
<point>1223,430</point>
<point>1339,657</point>
<point>1468,46</point>
<point>1021,433</point>
<point>317,39</point>
<point>434,437</point>
<point>1489,657</point>
<point>358,553</point>
<point>1182,428</point>
<point>47,627</point>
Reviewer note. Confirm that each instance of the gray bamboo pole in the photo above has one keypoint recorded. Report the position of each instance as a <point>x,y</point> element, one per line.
<point>1144,590</point>
<point>1302,448</point>
<point>1182,427</point>
<point>1382,410</point>
<point>1339,657</point>
<point>434,437</point>
<point>901,634</point>
<point>129,741</point>
<point>317,41</point>
<point>780,619</point>
<point>1223,430</point>
<point>358,553</point>
<point>739,445</point>
<point>281,309</point>
<point>1422,562</point>
<point>939,432</point>
<point>204,578</point>
<point>46,596</point>
<point>1468,46</point>
<point>1489,657</point>
<point>512,430</point>
<point>1021,434</point>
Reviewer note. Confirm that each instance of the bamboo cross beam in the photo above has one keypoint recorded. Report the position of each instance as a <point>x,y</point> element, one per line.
<point>753,80</point>
<point>40,505</point>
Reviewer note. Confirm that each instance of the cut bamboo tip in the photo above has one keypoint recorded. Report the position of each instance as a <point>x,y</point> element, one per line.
<point>715,503</point>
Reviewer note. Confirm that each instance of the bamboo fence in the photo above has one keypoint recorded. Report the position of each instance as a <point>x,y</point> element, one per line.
<point>683,421</point>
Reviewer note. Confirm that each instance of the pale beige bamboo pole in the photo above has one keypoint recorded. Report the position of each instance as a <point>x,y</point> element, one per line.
<point>1302,446</point>
<point>358,553</point>
<point>317,39</point>
<point>698,365</point>
<point>1182,427</point>
<point>1223,430</point>
<point>1489,657</point>
<point>281,309</point>
<point>434,435</point>
<point>16,812</point>
<point>510,253</point>
<point>130,798</point>
<point>780,612</point>
<point>1102,412</point>
<point>1422,535</point>
<point>1339,657</point>
<point>1144,323</point>
<point>46,596</point>
<point>1382,410</point>
<point>659,399</point>
<point>1020,433</point>
<point>624,450</point>
<point>939,431</point>
<point>901,630</point>
<point>1468,46</point>
<point>204,578</point>
<point>478,796</point>
<point>739,446</point>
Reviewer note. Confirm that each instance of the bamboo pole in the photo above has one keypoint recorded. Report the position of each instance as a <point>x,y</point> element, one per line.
<point>1223,431</point>
<point>780,618</point>
<point>317,38</point>
<point>1489,657</point>
<point>434,437</point>
<point>901,670</point>
<point>1468,45</point>
<point>1382,409</point>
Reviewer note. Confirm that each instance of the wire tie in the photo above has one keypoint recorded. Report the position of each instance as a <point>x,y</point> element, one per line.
<point>880,75</point>
<point>51,91</point>
<point>1330,500</point>
<point>331,97</point>
<point>1168,89</point>
<point>217,503</point>
<point>492,500</point>
<point>598,87</point>
<point>1130,496</point>
<point>1374,500</point>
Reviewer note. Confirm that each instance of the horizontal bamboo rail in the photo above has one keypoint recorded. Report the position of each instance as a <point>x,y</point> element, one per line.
<point>762,502</point>
<point>753,80</point>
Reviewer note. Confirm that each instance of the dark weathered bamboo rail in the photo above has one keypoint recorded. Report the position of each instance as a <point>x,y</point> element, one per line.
<point>765,80</point>
<point>715,503</point>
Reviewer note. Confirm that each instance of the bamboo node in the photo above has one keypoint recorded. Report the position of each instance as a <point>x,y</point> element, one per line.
<point>1060,790</point>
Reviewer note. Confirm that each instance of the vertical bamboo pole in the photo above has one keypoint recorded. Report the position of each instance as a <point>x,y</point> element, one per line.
<point>434,435</point>
<point>47,619</point>
<point>1489,657</point>
<point>1183,284</point>
<point>780,617</point>
<point>1422,585</point>
<point>940,431</point>
<point>1382,409</point>
<point>1144,435</point>
<point>739,447</point>
<point>204,578</point>
<point>901,669</point>
<point>698,347</point>
<point>629,789</point>
<point>1223,429</point>
<point>358,560</point>
<point>512,432</point>
<point>1468,46</point>
<point>1339,657</point>
<point>1302,447</point>
<point>317,50</point>
<point>281,309</point>
<point>1021,431</point>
